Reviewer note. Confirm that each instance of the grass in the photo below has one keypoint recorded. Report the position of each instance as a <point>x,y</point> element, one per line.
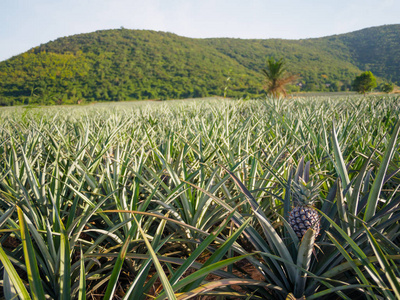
<point>172,199</point>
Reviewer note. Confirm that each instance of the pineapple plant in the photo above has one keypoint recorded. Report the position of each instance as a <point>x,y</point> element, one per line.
<point>303,215</point>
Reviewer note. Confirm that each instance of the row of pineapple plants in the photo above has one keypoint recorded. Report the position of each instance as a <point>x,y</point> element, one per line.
<point>263,199</point>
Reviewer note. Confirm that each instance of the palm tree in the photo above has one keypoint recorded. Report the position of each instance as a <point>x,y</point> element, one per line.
<point>276,78</point>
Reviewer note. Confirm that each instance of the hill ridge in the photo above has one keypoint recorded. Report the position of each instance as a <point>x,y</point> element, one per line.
<point>123,64</point>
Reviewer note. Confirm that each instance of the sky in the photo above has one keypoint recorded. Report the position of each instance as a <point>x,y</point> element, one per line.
<point>25,24</point>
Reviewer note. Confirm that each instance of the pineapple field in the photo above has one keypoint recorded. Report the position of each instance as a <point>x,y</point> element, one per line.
<point>202,199</point>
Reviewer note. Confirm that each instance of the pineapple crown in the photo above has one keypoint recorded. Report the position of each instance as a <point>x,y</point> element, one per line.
<point>305,193</point>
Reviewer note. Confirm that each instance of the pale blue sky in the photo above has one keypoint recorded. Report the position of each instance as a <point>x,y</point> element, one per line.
<point>28,23</point>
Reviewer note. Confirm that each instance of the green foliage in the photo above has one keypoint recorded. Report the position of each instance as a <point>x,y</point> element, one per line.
<point>387,87</point>
<point>119,65</point>
<point>122,64</point>
<point>376,49</point>
<point>141,200</point>
<point>365,82</point>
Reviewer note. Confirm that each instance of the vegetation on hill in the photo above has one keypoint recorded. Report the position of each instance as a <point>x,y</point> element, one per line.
<point>376,49</point>
<point>127,64</point>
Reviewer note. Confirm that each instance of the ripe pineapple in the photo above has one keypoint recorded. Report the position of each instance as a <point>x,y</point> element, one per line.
<point>303,216</point>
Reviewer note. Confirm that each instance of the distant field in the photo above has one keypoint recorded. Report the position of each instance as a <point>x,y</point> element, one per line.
<point>192,197</point>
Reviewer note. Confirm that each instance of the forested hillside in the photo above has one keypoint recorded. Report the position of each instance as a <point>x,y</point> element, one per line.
<point>376,49</point>
<point>122,64</point>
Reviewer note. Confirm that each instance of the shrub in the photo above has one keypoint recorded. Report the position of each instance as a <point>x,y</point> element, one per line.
<point>387,87</point>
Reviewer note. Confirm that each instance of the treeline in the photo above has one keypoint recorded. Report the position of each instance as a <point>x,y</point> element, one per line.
<point>122,64</point>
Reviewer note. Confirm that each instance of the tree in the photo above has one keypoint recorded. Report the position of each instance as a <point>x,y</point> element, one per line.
<point>276,77</point>
<point>387,87</point>
<point>365,82</point>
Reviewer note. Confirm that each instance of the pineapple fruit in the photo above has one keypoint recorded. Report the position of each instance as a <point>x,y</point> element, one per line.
<point>303,216</point>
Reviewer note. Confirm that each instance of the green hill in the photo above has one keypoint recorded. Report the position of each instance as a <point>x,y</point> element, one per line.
<point>122,64</point>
